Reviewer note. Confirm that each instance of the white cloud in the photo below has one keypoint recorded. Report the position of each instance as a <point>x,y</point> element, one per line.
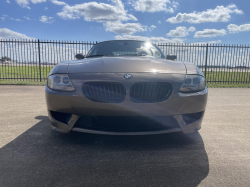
<point>111,15</point>
<point>26,17</point>
<point>159,21</point>
<point>37,1</point>
<point>235,28</point>
<point>210,42</point>
<point>210,33</point>
<point>151,39</point>
<point>154,5</point>
<point>152,27</point>
<point>46,19</point>
<point>191,29</point>
<point>9,34</point>
<point>8,1</point>
<point>58,2</point>
<point>127,28</point>
<point>25,3</point>
<point>219,14</point>
<point>4,17</point>
<point>99,12</point>
<point>215,42</point>
<point>46,8</point>
<point>180,32</point>
<point>15,19</point>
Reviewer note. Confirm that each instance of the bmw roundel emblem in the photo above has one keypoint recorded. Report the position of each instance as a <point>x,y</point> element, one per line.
<point>127,76</point>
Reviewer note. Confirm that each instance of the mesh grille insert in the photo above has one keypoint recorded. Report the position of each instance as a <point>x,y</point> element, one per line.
<point>105,92</point>
<point>150,92</point>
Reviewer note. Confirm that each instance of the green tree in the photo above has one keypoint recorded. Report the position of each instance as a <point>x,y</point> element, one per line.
<point>5,58</point>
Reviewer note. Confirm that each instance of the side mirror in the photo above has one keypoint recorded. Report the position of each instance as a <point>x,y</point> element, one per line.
<point>79,56</point>
<point>171,57</point>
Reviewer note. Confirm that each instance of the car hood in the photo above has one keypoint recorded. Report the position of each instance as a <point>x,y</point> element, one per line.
<point>125,65</point>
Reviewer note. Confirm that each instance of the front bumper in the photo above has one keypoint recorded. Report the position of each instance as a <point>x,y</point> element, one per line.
<point>68,127</point>
<point>76,104</point>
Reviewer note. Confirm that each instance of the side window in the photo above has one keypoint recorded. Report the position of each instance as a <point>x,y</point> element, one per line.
<point>95,52</point>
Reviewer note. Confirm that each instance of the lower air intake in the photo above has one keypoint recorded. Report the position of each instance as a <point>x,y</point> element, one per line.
<point>60,116</point>
<point>126,124</point>
<point>190,118</point>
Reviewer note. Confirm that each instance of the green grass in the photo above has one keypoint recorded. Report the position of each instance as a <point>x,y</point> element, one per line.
<point>216,85</point>
<point>30,75</point>
<point>24,72</point>
<point>27,72</point>
<point>231,77</point>
<point>7,82</point>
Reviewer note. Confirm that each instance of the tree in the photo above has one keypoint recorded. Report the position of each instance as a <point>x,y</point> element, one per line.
<point>5,58</point>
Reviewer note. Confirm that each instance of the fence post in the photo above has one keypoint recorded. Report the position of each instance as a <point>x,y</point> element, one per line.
<point>39,56</point>
<point>206,61</point>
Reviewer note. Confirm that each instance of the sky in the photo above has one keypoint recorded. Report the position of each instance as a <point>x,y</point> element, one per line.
<point>164,21</point>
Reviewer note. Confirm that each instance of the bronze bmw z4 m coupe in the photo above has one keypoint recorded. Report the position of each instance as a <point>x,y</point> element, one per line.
<point>126,87</point>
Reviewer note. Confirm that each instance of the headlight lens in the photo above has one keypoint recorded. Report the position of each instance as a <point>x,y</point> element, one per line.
<point>60,82</point>
<point>193,83</point>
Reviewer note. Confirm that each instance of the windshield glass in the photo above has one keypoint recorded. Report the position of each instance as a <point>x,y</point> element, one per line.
<point>125,48</point>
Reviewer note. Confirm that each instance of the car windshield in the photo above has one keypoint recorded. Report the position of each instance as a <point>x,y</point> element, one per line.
<point>125,48</point>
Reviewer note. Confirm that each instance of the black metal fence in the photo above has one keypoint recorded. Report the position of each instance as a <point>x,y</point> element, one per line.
<point>32,60</point>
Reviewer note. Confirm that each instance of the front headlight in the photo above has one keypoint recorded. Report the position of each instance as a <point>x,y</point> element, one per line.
<point>60,82</point>
<point>193,83</point>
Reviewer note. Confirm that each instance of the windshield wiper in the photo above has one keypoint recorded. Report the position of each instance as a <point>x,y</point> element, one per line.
<point>119,55</point>
<point>133,55</point>
<point>94,56</point>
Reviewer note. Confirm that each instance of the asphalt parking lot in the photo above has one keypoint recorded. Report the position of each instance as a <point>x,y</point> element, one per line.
<point>31,154</point>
